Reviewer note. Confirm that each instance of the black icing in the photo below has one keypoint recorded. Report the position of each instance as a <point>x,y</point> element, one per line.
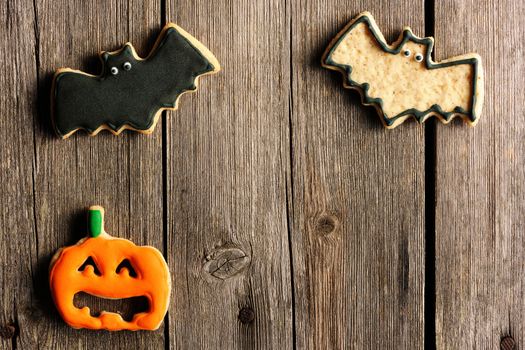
<point>132,96</point>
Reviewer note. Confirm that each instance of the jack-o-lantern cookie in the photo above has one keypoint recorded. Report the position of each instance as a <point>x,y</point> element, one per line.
<point>94,266</point>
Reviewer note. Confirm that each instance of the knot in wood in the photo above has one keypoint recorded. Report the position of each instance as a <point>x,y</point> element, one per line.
<point>326,224</point>
<point>224,262</point>
<point>246,315</point>
<point>508,343</point>
<point>7,331</point>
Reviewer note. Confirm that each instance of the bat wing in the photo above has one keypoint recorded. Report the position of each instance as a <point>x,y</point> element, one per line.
<point>92,103</point>
<point>453,87</point>
<point>358,52</point>
<point>130,99</point>
<point>175,65</point>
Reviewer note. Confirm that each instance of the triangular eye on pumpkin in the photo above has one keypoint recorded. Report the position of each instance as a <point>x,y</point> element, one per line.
<point>111,268</point>
<point>126,267</point>
<point>89,266</point>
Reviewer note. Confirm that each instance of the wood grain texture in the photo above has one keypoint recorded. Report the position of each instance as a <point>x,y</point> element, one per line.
<point>289,216</point>
<point>17,103</point>
<point>480,189</point>
<point>358,196</point>
<point>227,162</point>
<point>123,174</point>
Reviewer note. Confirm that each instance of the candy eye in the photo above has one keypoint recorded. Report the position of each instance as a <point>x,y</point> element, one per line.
<point>114,70</point>
<point>126,66</point>
<point>419,57</point>
<point>406,53</point>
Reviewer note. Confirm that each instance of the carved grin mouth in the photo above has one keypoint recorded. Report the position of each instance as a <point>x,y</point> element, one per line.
<point>125,307</point>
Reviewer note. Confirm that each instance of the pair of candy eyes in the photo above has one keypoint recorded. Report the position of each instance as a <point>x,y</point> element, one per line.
<point>418,57</point>
<point>126,66</point>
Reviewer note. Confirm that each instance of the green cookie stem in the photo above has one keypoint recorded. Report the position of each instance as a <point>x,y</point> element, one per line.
<point>96,221</point>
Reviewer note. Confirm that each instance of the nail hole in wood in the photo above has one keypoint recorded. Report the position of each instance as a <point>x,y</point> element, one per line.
<point>8,331</point>
<point>325,225</point>
<point>508,343</point>
<point>246,315</point>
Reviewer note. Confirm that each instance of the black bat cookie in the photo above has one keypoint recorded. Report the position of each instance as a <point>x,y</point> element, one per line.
<point>131,92</point>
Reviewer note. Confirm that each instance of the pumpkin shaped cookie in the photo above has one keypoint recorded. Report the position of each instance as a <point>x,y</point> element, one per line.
<point>95,266</point>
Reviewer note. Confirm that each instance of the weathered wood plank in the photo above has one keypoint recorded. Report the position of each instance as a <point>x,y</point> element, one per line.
<point>17,105</point>
<point>226,170</point>
<point>481,184</point>
<point>358,196</point>
<point>124,174</point>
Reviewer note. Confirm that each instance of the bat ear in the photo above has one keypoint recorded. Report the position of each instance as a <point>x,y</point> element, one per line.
<point>104,55</point>
<point>128,50</point>
<point>407,32</point>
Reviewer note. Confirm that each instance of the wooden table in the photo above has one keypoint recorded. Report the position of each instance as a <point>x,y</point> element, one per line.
<point>288,216</point>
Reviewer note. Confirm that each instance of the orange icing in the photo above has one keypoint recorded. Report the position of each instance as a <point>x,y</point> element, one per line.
<point>152,281</point>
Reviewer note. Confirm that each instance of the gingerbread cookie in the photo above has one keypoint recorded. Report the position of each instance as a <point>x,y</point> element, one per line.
<point>401,80</point>
<point>131,92</point>
<point>97,265</point>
